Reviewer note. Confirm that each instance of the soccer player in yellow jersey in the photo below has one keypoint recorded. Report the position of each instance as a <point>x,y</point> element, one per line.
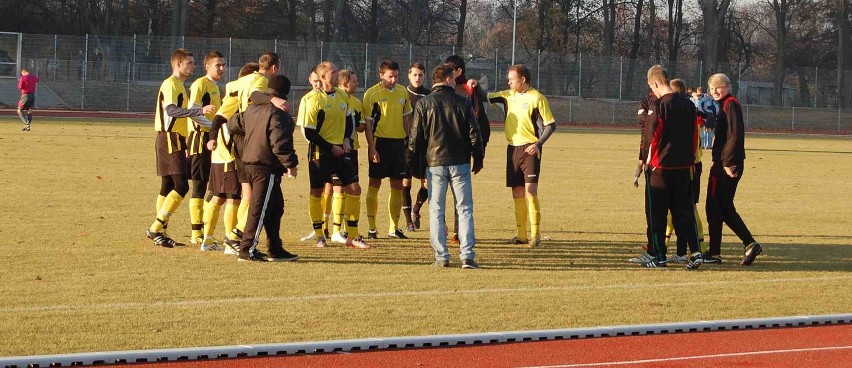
<point>385,106</point>
<point>316,83</point>
<point>224,183</point>
<point>255,82</point>
<point>326,122</point>
<point>524,106</point>
<point>204,91</point>
<point>171,127</point>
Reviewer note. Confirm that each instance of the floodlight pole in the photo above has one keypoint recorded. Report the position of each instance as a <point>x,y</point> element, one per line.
<point>514,29</point>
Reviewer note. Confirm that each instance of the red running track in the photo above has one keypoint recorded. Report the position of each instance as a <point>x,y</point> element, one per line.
<point>822,346</point>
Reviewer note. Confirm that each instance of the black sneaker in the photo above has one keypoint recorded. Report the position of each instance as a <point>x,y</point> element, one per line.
<point>398,234</point>
<point>655,263</point>
<point>254,257</point>
<point>233,246</point>
<point>441,264</point>
<point>282,256</point>
<point>710,259</point>
<point>26,128</point>
<point>470,264</point>
<point>372,234</point>
<point>160,239</point>
<point>415,220</point>
<point>695,261</point>
<point>751,252</point>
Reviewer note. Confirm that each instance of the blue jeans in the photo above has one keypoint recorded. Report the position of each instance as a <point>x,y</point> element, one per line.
<point>457,178</point>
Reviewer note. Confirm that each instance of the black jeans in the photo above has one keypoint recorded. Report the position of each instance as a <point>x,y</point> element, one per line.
<point>721,190</point>
<point>669,190</point>
<point>266,210</point>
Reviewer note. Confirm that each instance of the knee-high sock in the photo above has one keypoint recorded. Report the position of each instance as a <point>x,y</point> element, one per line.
<point>372,206</point>
<point>160,199</point>
<point>170,204</point>
<point>353,210</point>
<point>422,197</point>
<point>316,213</point>
<point>406,203</point>
<point>23,117</point>
<point>535,216</point>
<point>242,214</point>
<point>394,206</point>
<point>229,219</point>
<point>29,118</point>
<point>196,217</point>
<point>700,228</point>
<point>669,227</point>
<point>337,203</point>
<point>327,199</point>
<point>521,218</point>
<point>210,217</point>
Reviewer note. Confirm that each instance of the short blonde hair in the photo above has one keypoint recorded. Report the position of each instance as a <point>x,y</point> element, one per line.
<point>718,80</point>
<point>678,85</point>
<point>658,74</point>
<point>324,67</point>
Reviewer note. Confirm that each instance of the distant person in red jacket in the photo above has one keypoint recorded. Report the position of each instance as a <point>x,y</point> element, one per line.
<point>27,85</point>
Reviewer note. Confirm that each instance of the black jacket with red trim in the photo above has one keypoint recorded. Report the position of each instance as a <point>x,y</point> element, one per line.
<point>647,108</point>
<point>729,144</point>
<point>671,133</point>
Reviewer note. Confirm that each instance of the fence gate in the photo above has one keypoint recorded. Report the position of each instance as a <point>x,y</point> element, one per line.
<point>10,54</point>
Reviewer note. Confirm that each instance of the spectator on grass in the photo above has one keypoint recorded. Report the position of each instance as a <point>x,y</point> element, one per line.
<point>27,85</point>
<point>443,138</point>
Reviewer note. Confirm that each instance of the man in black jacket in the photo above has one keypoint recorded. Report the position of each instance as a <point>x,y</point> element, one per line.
<point>725,174</point>
<point>442,141</point>
<point>268,153</point>
<point>670,139</point>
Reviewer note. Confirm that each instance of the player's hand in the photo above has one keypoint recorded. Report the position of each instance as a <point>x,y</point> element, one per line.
<point>531,150</point>
<point>472,83</point>
<point>209,109</point>
<point>337,151</point>
<point>292,172</point>
<point>374,155</point>
<point>346,146</point>
<point>281,104</point>
<point>636,182</point>
<point>731,171</point>
<point>211,144</point>
<point>477,166</point>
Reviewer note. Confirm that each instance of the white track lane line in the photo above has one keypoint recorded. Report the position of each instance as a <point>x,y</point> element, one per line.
<point>663,360</point>
<point>413,293</point>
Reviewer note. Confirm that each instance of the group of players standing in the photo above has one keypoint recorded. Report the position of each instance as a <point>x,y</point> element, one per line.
<point>670,158</point>
<point>226,167</point>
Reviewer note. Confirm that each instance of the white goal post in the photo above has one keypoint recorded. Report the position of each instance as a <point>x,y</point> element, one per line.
<point>10,54</point>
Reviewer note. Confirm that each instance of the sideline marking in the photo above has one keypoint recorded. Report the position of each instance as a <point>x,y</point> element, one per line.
<point>301,298</point>
<point>662,360</point>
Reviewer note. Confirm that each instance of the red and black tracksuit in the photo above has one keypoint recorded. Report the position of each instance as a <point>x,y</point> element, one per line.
<point>669,141</point>
<point>728,151</point>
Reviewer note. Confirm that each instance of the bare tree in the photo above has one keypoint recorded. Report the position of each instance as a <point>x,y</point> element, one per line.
<point>780,8</point>
<point>713,13</point>
<point>841,51</point>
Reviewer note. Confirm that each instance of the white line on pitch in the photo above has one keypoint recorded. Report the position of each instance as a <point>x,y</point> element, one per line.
<point>415,293</point>
<point>662,360</point>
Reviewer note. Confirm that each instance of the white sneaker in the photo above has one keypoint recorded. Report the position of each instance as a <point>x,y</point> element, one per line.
<point>676,259</point>
<point>311,236</point>
<point>210,247</point>
<point>645,258</point>
<point>231,251</point>
<point>338,238</point>
<point>357,243</point>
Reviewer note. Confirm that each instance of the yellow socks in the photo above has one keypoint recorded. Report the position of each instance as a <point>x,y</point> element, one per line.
<point>353,209</point>
<point>211,214</point>
<point>700,228</point>
<point>327,199</point>
<point>160,199</point>
<point>669,227</point>
<point>394,208</point>
<point>196,212</point>
<point>170,204</point>
<point>372,206</point>
<point>535,216</point>
<point>521,218</point>
<point>337,202</point>
<point>230,217</point>
<point>242,214</point>
<point>315,211</point>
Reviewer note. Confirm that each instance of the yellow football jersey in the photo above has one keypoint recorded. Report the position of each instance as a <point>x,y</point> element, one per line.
<point>385,108</point>
<point>523,110</point>
<point>224,152</point>
<point>355,108</point>
<point>172,92</point>
<point>204,91</point>
<point>326,113</point>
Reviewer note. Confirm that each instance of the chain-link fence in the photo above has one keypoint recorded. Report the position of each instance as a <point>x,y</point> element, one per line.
<point>123,73</point>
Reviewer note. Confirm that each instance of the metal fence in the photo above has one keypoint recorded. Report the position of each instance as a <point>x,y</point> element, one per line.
<point>123,73</point>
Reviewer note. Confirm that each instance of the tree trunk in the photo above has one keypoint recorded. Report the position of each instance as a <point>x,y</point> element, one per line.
<point>714,17</point>
<point>609,28</point>
<point>841,52</point>
<point>461,25</point>
<point>780,8</point>
<point>311,13</point>
<point>675,27</point>
<point>634,46</point>
<point>415,14</point>
<point>374,22</point>
<point>337,22</point>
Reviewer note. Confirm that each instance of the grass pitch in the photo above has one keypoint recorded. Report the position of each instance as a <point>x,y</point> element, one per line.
<point>77,274</point>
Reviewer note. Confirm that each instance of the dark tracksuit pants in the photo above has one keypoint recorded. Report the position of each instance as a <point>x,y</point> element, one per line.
<point>669,190</point>
<point>721,190</point>
<point>265,211</point>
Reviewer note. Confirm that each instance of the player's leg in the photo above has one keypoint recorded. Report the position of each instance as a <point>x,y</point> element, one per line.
<point>438,184</point>
<point>338,203</point>
<point>212,207</point>
<point>406,202</point>
<point>531,168</point>
<point>319,175</point>
<point>515,181</point>
<point>714,215</point>
<point>422,197</point>
<point>348,173</point>
<point>198,179</point>
<point>327,198</point>
<point>394,208</point>
<point>242,210</point>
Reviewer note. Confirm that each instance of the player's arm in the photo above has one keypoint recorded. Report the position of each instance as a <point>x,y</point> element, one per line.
<point>734,146</point>
<point>281,139</point>
<point>196,91</point>
<point>406,111</point>
<point>259,97</point>
<point>479,98</point>
<point>477,148</point>
<point>416,145</point>
<point>549,124</point>
<point>236,125</point>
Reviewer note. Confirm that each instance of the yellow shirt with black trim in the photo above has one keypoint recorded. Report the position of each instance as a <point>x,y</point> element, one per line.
<point>385,108</point>
<point>240,96</point>
<point>172,92</point>
<point>224,152</point>
<point>326,113</point>
<point>523,110</point>
<point>355,109</point>
<point>204,91</point>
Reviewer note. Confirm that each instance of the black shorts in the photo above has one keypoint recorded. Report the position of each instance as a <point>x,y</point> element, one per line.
<point>174,163</point>
<point>696,181</point>
<point>521,168</point>
<point>391,163</point>
<point>223,183</point>
<point>341,170</point>
<point>27,101</point>
<point>200,166</point>
<point>335,180</point>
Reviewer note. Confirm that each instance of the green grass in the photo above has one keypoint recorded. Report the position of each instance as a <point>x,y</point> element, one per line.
<point>77,274</point>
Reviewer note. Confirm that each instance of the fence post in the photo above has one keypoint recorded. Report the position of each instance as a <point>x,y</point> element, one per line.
<point>580,78</point>
<point>128,89</point>
<point>612,109</point>
<point>746,116</point>
<point>133,66</point>
<point>496,68</point>
<point>700,72</point>
<point>793,119</point>
<point>538,70</point>
<point>55,62</point>
<point>410,54</point>
<point>85,72</point>
<point>275,46</point>
<point>570,111</point>
<point>838,117</point>
<point>321,50</point>
<point>229,58</point>
<point>816,86</point>
<point>620,76</point>
<point>366,62</point>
